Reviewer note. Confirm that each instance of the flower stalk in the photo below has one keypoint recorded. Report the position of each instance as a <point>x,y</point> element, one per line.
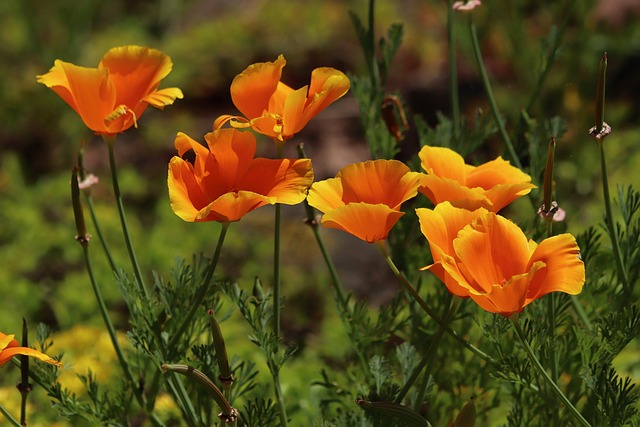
<point>554,387</point>
<point>24,387</point>
<point>110,140</point>
<point>226,377</point>
<point>229,415</point>
<point>492,101</point>
<point>599,132</point>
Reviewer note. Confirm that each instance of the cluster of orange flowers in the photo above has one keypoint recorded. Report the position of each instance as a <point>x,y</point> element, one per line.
<point>477,253</point>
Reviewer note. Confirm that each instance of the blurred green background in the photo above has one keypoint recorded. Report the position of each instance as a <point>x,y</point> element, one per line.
<point>42,276</point>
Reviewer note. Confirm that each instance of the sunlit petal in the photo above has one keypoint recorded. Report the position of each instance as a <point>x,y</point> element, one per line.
<point>365,221</point>
<point>326,195</point>
<point>252,89</point>
<point>564,270</point>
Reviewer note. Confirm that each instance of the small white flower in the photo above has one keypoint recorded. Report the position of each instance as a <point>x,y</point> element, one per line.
<point>90,180</point>
<point>466,5</point>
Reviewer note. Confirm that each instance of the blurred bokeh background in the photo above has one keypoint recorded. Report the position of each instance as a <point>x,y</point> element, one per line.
<point>42,276</point>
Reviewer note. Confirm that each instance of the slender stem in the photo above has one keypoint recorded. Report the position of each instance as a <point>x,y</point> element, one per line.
<point>103,241</point>
<point>24,387</point>
<point>545,375</point>
<point>94,218</point>
<point>203,380</point>
<point>613,235</point>
<point>184,402</point>
<point>579,309</point>
<point>280,398</point>
<point>110,140</point>
<point>9,417</point>
<point>453,72</point>
<point>551,55</point>
<point>492,101</point>
<point>342,302</point>
<point>405,282</point>
<point>551,318</point>
<point>430,311</point>
<point>371,50</point>
<point>430,353</point>
<point>276,272</point>
<point>202,292</point>
<point>110,328</point>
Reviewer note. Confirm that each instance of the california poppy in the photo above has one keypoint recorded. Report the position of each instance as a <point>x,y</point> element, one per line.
<point>274,109</point>
<point>492,185</point>
<point>488,258</point>
<point>225,181</point>
<point>364,198</point>
<point>9,348</point>
<point>111,98</point>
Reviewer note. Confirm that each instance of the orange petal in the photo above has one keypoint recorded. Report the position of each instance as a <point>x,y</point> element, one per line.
<point>7,354</point>
<point>89,91</point>
<point>564,270</point>
<point>7,341</point>
<point>440,190</point>
<point>379,181</point>
<point>368,222</point>
<point>509,297</point>
<point>496,172</point>
<point>135,72</point>
<point>233,152</point>
<point>268,125</point>
<point>444,163</point>
<point>232,206</point>
<point>252,89</point>
<point>292,113</point>
<point>503,183</point>
<point>327,86</point>
<point>493,249</point>
<point>286,181</point>
<point>441,226</point>
<point>326,195</point>
<point>185,194</point>
<point>162,98</point>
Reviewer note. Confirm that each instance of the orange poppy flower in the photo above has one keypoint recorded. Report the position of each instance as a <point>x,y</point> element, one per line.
<point>225,181</point>
<point>364,198</point>
<point>9,348</point>
<point>274,109</point>
<point>492,185</point>
<point>111,98</point>
<point>486,257</point>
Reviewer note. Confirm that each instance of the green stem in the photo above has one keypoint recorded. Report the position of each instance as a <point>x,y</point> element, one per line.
<point>431,351</point>
<point>203,380</point>
<point>579,309</point>
<point>492,101</point>
<point>94,218</point>
<point>9,417</point>
<point>545,375</point>
<point>110,140</point>
<point>276,272</point>
<point>184,402</point>
<point>551,318</point>
<point>371,51</point>
<point>611,227</point>
<point>475,350</point>
<point>277,285</point>
<point>103,241</point>
<point>551,55</point>
<point>202,292</point>
<point>453,72</point>
<point>110,328</point>
<point>346,313</point>
<point>279,398</point>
